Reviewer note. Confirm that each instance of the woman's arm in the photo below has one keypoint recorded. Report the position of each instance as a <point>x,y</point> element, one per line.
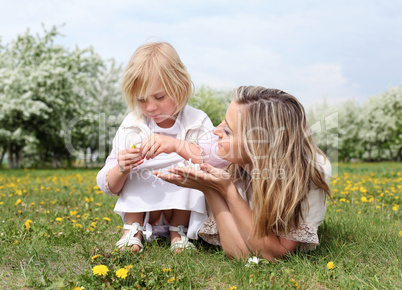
<point>231,212</point>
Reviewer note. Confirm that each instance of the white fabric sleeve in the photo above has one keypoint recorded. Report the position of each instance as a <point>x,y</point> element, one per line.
<point>101,177</point>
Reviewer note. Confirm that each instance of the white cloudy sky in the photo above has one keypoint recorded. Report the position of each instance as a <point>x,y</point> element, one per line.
<point>338,49</point>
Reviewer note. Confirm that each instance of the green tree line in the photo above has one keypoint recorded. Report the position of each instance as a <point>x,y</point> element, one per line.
<point>60,105</point>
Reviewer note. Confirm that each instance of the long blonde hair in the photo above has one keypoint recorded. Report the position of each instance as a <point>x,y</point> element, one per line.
<point>153,61</point>
<point>283,155</point>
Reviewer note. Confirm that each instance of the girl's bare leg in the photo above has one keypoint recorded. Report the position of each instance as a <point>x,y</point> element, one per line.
<point>179,217</point>
<point>134,217</point>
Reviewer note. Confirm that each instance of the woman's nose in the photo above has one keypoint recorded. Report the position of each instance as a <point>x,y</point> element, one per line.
<point>218,130</point>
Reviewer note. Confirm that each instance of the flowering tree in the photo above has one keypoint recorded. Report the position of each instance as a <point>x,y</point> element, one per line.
<point>42,87</point>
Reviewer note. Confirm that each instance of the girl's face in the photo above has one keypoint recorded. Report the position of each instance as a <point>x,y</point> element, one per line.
<point>231,146</point>
<point>158,106</point>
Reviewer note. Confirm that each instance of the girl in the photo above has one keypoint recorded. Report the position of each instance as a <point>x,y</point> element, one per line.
<point>273,196</point>
<point>160,132</point>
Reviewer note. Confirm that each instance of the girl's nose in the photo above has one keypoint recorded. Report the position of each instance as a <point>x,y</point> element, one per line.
<point>151,106</point>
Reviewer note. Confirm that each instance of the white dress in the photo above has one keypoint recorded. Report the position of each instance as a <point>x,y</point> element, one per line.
<point>144,192</point>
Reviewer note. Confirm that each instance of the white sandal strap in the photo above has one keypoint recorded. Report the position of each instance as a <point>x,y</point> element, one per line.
<point>130,238</point>
<point>180,229</point>
<point>183,243</point>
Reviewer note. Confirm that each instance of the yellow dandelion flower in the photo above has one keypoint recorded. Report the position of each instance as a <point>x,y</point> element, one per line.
<point>18,202</point>
<point>119,227</point>
<point>98,204</point>
<point>73,212</point>
<point>342,200</point>
<point>128,267</point>
<point>232,288</point>
<point>1,203</point>
<point>400,233</point>
<point>86,199</point>
<point>394,208</point>
<point>330,265</point>
<point>77,288</point>
<point>106,219</point>
<point>93,258</point>
<point>59,219</point>
<point>78,226</point>
<point>93,225</point>
<point>166,270</point>
<point>364,199</point>
<point>171,279</point>
<point>15,242</point>
<point>100,270</point>
<point>121,273</point>
<point>27,224</point>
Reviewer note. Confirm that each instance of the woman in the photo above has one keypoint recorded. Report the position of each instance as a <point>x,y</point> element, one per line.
<point>272,197</point>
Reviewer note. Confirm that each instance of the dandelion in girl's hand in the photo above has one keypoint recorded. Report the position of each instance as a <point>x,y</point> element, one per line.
<point>100,270</point>
<point>121,273</point>
<point>330,265</point>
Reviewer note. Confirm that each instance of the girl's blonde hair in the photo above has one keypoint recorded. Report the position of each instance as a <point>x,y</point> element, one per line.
<point>283,155</point>
<point>152,62</point>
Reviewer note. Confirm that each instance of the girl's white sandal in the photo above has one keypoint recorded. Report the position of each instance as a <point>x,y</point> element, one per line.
<point>183,243</point>
<point>130,239</point>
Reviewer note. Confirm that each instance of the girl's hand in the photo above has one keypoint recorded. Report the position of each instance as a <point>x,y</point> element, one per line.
<point>207,179</point>
<point>156,144</point>
<point>128,159</point>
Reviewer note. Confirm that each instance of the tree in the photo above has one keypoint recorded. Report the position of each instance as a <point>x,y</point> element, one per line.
<point>42,87</point>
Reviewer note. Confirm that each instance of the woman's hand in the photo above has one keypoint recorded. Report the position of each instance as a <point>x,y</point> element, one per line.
<point>207,179</point>
<point>156,144</point>
<point>128,159</point>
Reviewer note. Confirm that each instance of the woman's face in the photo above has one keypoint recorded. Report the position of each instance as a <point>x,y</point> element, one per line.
<point>231,147</point>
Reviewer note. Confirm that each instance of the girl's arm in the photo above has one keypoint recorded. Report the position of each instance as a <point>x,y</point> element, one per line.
<point>112,176</point>
<point>156,144</point>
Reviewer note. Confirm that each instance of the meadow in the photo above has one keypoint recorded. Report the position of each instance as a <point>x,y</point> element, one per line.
<point>57,230</point>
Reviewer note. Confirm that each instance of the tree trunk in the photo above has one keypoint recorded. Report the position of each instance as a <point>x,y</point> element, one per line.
<point>3,153</point>
<point>85,159</point>
<point>91,156</point>
<point>399,158</point>
<point>11,157</point>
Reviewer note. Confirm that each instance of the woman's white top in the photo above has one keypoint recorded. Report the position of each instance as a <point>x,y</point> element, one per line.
<point>143,191</point>
<point>313,209</point>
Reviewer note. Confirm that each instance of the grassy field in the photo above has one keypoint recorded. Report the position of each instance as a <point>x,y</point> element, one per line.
<point>57,230</point>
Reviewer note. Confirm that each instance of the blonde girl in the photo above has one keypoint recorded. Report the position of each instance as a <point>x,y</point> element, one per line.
<point>161,131</point>
<point>272,198</point>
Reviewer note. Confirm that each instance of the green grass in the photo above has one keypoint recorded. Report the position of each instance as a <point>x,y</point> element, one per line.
<point>361,235</point>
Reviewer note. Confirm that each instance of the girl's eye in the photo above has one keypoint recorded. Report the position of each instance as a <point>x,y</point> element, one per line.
<point>141,100</point>
<point>226,131</point>
<point>160,97</point>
